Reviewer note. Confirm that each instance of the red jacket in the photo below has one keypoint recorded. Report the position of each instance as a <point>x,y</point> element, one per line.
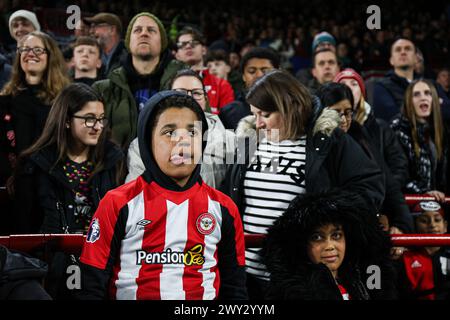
<point>220,92</point>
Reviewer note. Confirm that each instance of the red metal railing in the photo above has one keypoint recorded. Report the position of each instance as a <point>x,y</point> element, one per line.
<point>73,243</point>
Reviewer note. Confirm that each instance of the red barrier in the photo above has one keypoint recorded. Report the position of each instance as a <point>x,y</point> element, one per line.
<point>72,243</point>
<point>412,199</point>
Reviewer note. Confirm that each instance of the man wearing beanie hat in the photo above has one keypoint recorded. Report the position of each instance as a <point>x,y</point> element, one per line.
<point>21,23</point>
<point>145,70</point>
<point>424,272</point>
<point>107,29</point>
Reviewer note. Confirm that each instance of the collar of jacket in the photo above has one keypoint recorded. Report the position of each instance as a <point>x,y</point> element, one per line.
<point>46,158</point>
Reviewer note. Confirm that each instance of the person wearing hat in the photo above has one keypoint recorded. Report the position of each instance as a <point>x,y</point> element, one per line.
<point>322,40</point>
<point>107,29</point>
<point>21,23</point>
<point>424,272</point>
<point>146,69</point>
<point>380,143</point>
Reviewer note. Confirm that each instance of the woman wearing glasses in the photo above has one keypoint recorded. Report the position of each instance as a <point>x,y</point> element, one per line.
<point>213,168</point>
<point>298,150</point>
<point>70,167</point>
<point>339,97</point>
<point>38,75</point>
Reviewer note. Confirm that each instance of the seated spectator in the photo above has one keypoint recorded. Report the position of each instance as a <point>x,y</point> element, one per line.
<point>325,68</point>
<point>320,248</point>
<point>423,271</point>
<point>167,212</point>
<point>70,168</point>
<point>218,64</point>
<point>298,150</point>
<point>87,60</point>
<point>38,75</point>
<point>421,134</point>
<point>214,157</point>
<point>254,64</point>
<point>191,49</point>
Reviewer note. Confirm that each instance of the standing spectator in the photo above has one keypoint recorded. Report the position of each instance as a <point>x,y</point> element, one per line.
<point>107,29</point>
<point>218,64</point>
<point>147,69</point>
<point>421,133</point>
<point>321,247</point>
<point>423,272</point>
<point>21,23</point>
<point>167,212</point>
<point>325,68</point>
<point>255,63</point>
<point>384,146</point>
<point>38,76</point>
<point>389,92</point>
<point>191,49</point>
<point>87,60</point>
<point>70,168</point>
<point>443,81</point>
<point>299,151</point>
<point>322,40</point>
<point>214,158</point>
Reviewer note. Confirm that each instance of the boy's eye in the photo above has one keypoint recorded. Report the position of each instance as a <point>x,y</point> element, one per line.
<point>315,237</point>
<point>337,235</point>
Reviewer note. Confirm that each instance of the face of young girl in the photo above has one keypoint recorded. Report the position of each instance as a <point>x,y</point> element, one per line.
<point>327,245</point>
<point>356,90</point>
<point>87,124</point>
<point>422,100</point>
<point>177,143</point>
<point>344,108</point>
<point>431,222</point>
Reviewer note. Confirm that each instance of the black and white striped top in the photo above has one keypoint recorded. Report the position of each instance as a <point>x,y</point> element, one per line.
<point>274,178</point>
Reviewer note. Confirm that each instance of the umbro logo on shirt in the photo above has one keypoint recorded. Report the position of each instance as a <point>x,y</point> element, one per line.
<point>416,264</point>
<point>143,223</point>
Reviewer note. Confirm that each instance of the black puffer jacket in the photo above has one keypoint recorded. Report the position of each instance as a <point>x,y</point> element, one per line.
<point>44,199</point>
<point>294,276</point>
<point>333,159</point>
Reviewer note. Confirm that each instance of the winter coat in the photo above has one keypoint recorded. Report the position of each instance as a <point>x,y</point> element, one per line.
<point>426,173</point>
<point>295,277</point>
<point>388,95</point>
<point>22,119</point>
<point>381,144</point>
<point>213,168</point>
<point>44,200</point>
<point>333,159</point>
<point>20,276</point>
<point>120,52</point>
<point>120,103</point>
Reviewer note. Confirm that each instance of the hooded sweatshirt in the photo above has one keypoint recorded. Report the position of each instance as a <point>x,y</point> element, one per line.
<point>153,239</point>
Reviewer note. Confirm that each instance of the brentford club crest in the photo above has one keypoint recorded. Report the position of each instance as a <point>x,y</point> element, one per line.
<point>206,223</point>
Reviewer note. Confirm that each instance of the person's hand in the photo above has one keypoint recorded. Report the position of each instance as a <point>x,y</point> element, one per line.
<point>396,252</point>
<point>10,186</point>
<point>438,195</point>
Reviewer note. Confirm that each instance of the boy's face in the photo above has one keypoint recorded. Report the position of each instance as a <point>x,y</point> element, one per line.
<point>431,222</point>
<point>86,58</point>
<point>327,245</point>
<point>219,68</point>
<point>177,143</point>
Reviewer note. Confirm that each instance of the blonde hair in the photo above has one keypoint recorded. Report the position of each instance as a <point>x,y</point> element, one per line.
<point>55,77</point>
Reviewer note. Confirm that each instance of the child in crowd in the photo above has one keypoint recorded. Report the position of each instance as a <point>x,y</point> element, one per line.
<point>424,272</point>
<point>321,248</point>
<point>166,235</point>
